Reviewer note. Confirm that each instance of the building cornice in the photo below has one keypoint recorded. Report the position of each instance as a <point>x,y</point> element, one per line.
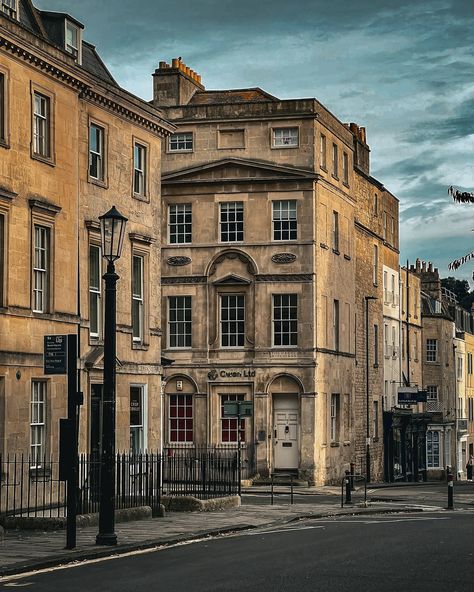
<point>92,90</point>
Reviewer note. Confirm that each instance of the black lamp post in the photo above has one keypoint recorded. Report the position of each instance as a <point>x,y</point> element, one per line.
<point>112,228</point>
<point>367,439</point>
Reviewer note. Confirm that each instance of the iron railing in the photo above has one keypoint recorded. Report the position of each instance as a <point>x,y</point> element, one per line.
<point>31,487</point>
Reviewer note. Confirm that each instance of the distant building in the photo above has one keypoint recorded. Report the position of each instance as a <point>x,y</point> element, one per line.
<point>72,144</point>
<point>269,233</point>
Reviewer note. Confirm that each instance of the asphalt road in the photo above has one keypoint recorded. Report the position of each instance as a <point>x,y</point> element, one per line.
<point>386,553</point>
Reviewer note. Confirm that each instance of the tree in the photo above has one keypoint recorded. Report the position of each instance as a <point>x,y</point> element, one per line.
<point>461,290</point>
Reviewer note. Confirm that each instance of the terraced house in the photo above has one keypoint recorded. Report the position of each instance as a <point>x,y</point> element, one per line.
<point>260,202</point>
<point>72,144</point>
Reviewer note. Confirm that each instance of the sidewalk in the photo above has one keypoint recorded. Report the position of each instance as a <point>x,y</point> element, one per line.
<point>22,551</point>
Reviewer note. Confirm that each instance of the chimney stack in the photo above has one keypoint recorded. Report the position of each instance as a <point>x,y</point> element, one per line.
<point>174,84</point>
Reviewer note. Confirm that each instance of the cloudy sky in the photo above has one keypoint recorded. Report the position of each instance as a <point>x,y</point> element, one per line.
<point>402,68</point>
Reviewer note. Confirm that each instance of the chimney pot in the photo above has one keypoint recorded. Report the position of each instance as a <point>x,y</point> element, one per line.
<point>175,63</point>
<point>162,65</point>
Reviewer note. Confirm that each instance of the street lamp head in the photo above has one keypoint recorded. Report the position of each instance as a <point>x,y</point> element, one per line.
<point>112,230</point>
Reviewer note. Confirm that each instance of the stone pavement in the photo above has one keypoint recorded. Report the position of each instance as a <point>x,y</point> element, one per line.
<point>22,551</point>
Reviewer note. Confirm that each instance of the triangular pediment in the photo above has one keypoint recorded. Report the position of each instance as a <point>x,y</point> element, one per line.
<point>232,280</point>
<point>236,169</point>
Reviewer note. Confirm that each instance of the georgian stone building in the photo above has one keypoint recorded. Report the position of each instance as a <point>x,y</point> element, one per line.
<point>259,266</point>
<point>72,144</point>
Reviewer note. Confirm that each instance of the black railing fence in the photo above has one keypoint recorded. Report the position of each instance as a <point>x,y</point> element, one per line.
<point>31,487</point>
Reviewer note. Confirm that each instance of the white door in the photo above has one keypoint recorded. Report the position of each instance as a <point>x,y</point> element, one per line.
<point>285,433</point>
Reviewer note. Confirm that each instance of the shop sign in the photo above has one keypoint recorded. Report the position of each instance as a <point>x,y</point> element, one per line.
<point>214,374</point>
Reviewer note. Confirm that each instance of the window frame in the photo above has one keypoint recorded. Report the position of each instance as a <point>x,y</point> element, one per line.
<point>38,401</point>
<point>432,455</point>
<point>8,10</point>
<point>49,121</point>
<point>187,334</point>
<point>176,417</point>
<point>323,163</point>
<point>431,350</point>
<point>291,335</point>
<point>41,287</point>
<point>238,335</point>
<point>4,108</point>
<point>336,328</point>
<point>239,224</point>
<point>95,292</point>
<point>187,235</point>
<point>335,161</point>
<point>275,130</point>
<point>231,423</point>
<point>102,156</point>
<point>171,150</point>
<point>140,428</point>
<point>335,231</point>
<point>345,168</point>
<point>292,227</point>
<point>375,271</point>
<point>334,416</point>
<point>376,345</point>
<point>142,194</point>
<point>138,299</point>
<point>77,53</point>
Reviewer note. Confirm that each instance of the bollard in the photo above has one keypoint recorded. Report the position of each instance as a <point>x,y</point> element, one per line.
<point>450,492</point>
<point>348,488</point>
<point>352,476</point>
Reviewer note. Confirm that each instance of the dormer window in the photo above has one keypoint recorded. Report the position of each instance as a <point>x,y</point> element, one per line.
<point>10,8</point>
<point>73,41</point>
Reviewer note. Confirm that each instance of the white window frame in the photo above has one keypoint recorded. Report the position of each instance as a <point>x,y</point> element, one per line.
<point>285,220</point>
<point>285,137</point>
<point>181,142</point>
<point>140,428</point>
<point>180,328</point>
<point>232,329</point>
<point>231,221</point>
<point>180,215</point>
<point>41,265</point>
<point>185,397</point>
<point>41,125</point>
<point>430,458</point>
<point>97,154</point>
<point>432,392</point>
<point>95,291</point>
<point>38,422</point>
<point>285,313</point>
<point>138,298</point>
<point>75,51</point>
<point>139,169</point>
<point>431,350</point>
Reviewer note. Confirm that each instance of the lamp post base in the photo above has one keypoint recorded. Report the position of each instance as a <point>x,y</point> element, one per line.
<point>108,539</point>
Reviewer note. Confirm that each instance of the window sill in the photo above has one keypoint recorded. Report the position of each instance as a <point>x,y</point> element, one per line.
<point>376,365</point>
<point>140,346</point>
<point>44,159</point>
<point>38,473</point>
<point>347,257</point>
<point>323,168</point>
<point>98,182</point>
<point>336,252</point>
<point>334,445</point>
<point>335,177</point>
<point>284,147</point>
<point>346,184</point>
<point>323,246</point>
<point>141,197</point>
<point>187,151</point>
<point>375,439</point>
<point>4,144</point>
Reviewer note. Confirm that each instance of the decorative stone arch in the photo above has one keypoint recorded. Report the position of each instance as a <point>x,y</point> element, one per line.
<point>189,384</point>
<point>284,383</point>
<point>232,254</point>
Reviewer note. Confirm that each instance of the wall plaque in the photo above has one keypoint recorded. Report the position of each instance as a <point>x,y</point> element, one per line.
<point>179,260</point>
<point>283,258</point>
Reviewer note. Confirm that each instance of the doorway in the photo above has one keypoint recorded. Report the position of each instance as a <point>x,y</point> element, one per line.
<point>285,432</point>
